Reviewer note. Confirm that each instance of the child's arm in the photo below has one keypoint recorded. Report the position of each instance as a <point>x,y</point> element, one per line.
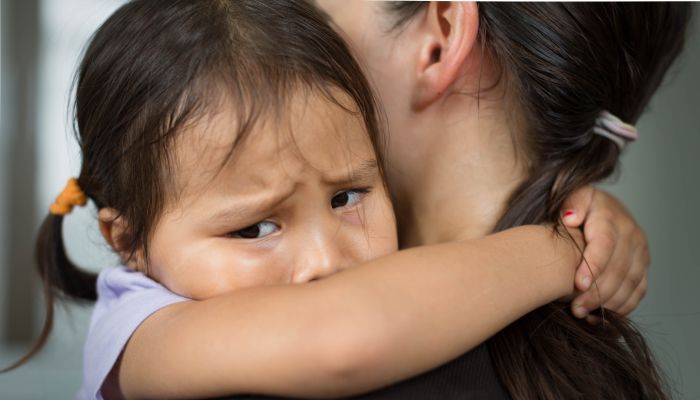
<point>367,327</point>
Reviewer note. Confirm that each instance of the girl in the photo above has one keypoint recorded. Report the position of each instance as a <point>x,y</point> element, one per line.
<point>472,88</point>
<point>225,154</point>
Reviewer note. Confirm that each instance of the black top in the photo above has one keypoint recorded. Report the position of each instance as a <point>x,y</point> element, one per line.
<point>469,377</point>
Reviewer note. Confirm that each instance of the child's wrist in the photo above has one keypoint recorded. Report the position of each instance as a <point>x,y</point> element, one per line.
<point>570,242</point>
<point>552,259</point>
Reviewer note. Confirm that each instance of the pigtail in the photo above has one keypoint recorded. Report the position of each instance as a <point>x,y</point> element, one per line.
<point>60,278</point>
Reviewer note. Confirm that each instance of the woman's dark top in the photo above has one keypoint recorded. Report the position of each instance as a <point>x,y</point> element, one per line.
<point>469,377</point>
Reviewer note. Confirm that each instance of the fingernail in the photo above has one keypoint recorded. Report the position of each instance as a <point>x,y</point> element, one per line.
<point>586,282</point>
<point>580,311</point>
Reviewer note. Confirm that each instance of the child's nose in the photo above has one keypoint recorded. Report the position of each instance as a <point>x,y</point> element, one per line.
<point>323,253</point>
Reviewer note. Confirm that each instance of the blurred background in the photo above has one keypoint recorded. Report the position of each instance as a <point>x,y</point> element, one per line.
<point>41,43</point>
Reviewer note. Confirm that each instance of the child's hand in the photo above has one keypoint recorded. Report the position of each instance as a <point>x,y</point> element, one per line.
<point>614,272</point>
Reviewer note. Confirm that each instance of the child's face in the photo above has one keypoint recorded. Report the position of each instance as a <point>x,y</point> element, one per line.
<point>298,200</point>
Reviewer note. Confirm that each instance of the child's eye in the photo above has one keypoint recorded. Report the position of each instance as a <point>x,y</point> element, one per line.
<point>348,198</point>
<point>257,231</point>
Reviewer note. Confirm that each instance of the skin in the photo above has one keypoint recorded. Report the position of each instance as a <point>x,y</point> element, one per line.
<point>440,139</point>
<point>302,200</point>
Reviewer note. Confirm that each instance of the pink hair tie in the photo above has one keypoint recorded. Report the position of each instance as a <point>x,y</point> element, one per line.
<point>613,128</point>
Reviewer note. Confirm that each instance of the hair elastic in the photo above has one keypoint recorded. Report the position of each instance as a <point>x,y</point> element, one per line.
<point>613,128</point>
<point>70,197</point>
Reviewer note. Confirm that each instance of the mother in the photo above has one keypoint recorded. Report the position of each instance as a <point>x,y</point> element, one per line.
<point>491,110</point>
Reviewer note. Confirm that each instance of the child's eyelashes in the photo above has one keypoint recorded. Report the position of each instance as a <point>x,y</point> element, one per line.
<point>256,231</point>
<point>342,199</point>
<point>348,198</point>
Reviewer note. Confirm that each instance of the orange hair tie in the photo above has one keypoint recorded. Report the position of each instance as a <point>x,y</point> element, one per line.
<point>71,196</point>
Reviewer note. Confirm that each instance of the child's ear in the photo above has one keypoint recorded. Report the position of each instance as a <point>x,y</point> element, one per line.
<point>113,227</point>
<point>448,36</point>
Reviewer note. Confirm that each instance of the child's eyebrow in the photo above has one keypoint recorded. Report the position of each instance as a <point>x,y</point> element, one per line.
<point>243,209</point>
<point>365,171</point>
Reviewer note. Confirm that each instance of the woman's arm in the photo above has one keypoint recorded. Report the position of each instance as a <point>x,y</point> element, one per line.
<point>367,327</point>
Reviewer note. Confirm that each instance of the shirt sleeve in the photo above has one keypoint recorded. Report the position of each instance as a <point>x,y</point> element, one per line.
<point>125,298</point>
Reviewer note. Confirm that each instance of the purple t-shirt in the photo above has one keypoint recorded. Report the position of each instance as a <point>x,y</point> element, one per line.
<point>124,300</point>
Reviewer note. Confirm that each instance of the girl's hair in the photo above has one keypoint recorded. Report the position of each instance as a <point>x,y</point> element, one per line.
<point>156,66</point>
<point>567,62</point>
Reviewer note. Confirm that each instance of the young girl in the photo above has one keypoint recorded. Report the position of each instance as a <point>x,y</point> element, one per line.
<point>231,148</point>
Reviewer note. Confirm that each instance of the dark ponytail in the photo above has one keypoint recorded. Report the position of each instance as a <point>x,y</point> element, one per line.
<point>58,273</point>
<point>597,57</point>
<point>567,62</point>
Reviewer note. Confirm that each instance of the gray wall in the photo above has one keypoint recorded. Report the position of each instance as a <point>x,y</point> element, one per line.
<point>659,183</point>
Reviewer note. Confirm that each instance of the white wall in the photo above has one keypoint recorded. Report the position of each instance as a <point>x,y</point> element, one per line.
<point>660,183</point>
<point>66,28</point>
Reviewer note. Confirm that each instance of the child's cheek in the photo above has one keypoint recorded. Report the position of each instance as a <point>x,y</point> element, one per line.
<point>239,264</point>
<point>355,217</point>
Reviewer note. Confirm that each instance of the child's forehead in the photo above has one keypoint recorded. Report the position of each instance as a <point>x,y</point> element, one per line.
<point>311,133</point>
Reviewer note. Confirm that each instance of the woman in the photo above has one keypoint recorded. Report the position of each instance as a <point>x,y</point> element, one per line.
<point>452,168</point>
<point>491,110</point>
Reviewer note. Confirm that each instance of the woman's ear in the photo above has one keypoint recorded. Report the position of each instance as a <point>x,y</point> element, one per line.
<point>449,35</point>
<point>113,228</point>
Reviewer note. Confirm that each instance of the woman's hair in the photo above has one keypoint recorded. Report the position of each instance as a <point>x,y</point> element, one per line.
<point>567,62</point>
<point>157,66</point>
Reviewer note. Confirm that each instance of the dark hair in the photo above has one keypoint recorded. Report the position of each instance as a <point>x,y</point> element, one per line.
<point>568,62</point>
<point>156,66</point>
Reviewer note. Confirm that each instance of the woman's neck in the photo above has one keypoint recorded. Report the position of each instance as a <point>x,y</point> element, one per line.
<point>468,170</point>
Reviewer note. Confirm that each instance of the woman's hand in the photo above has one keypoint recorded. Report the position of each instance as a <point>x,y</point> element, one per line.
<point>616,258</point>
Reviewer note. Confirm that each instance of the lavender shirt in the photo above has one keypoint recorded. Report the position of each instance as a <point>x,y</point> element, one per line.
<point>124,299</point>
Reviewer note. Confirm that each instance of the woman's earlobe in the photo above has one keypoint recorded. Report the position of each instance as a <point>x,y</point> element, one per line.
<point>449,31</point>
